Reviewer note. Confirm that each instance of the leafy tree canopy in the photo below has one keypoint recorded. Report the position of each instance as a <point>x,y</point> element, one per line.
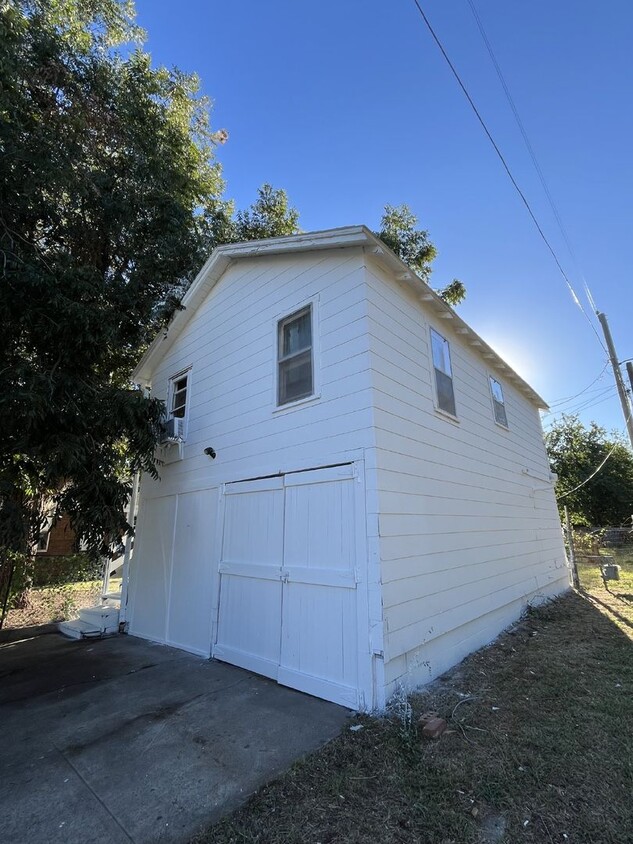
<point>110,201</point>
<point>575,452</point>
<point>398,231</point>
<point>269,216</point>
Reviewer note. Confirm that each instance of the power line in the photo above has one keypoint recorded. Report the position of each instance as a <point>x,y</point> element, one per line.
<point>591,477</point>
<point>605,394</point>
<point>585,404</point>
<point>598,469</point>
<point>594,401</point>
<point>507,169</point>
<point>522,129</point>
<point>532,155</point>
<point>571,398</point>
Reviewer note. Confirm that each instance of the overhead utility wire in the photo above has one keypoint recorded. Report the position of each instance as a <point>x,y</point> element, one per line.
<point>586,395</point>
<point>608,393</point>
<point>584,403</point>
<point>522,129</point>
<point>590,395</point>
<point>605,395</point>
<point>571,398</point>
<point>532,154</point>
<point>591,477</point>
<point>506,168</point>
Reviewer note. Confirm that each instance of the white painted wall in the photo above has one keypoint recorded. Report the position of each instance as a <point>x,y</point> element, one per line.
<point>230,343</point>
<point>461,523</point>
<point>467,520</point>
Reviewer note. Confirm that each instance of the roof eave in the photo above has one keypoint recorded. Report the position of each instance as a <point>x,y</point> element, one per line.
<point>217,264</point>
<point>430,298</point>
<point>223,256</point>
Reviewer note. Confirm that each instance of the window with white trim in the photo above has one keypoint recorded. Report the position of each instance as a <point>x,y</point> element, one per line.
<point>295,360</point>
<point>498,402</point>
<point>444,392</point>
<point>179,387</point>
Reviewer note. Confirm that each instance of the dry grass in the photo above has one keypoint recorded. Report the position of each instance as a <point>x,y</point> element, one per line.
<point>54,603</point>
<point>539,747</point>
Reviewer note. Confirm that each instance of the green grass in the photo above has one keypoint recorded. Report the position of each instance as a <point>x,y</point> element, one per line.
<point>538,750</point>
<point>617,599</point>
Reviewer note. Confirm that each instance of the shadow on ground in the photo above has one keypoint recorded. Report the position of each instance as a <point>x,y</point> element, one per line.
<point>121,740</point>
<point>538,749</point>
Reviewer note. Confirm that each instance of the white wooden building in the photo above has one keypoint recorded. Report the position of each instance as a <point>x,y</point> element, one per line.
<point>380,502</point>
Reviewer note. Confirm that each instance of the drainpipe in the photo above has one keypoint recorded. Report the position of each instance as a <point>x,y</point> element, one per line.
<point>125,573</point>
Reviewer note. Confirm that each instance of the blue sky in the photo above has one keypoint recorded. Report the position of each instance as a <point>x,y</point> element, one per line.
<point>349,105</point>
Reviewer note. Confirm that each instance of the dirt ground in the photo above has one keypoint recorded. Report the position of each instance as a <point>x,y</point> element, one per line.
<point>538,747</point>
<point>54,603</point>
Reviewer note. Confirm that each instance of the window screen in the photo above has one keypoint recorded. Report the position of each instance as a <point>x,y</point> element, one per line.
<point>443,373</point>
<point>294,357</point>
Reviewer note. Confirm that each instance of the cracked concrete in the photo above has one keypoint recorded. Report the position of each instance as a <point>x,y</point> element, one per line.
<point>122,740</point>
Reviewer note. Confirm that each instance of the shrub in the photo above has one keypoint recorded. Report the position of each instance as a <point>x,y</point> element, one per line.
<point>54,571</point>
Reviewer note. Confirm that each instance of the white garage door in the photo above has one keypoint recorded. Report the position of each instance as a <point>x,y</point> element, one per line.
<point>288,584</point>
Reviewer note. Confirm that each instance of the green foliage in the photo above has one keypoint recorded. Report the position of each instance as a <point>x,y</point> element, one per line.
<point>269,216</point>
<point>109,201</point>
<point>398,231</point>
<point>453,293</point>
<point>575,452</point>
<point>69,568</point>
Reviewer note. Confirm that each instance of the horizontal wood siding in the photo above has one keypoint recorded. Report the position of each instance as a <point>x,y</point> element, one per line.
<point>230,345</point>
<point>467,521</point>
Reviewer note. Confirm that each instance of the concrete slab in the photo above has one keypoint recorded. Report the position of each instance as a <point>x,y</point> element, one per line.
<point>121,740</point>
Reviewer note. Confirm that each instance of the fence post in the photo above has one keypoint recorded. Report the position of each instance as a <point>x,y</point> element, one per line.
<point>572,550</point>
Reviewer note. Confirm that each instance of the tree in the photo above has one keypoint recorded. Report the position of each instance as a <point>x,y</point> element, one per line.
<point>576,452</point>
<point>269,216</point>
<point>109,201</point>
<point>398,231</point>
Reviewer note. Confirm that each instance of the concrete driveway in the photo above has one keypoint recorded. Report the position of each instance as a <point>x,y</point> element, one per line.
<point>123,740</point>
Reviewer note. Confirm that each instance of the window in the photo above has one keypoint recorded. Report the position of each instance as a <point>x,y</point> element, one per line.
<point>295,375</point>
<point>42,540</point>
<point>498,404</point>
<point>443,373</point>
<point>178,401</point>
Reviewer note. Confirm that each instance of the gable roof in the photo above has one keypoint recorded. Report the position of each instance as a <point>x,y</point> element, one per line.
<point>224,256</point>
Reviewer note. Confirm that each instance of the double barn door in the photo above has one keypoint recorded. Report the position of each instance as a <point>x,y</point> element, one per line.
<point>288,581</point>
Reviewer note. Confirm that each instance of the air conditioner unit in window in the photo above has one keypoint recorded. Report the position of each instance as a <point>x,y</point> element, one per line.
<point>173,430</point>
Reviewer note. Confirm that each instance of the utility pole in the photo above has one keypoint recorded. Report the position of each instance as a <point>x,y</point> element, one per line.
<point>619,381</point>
<point>572,549</point>
<point>629,369</point>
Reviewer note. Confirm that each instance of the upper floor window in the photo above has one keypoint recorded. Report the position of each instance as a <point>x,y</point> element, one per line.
<point>444,391</point>
<point>179,396</point>
<point>498,403</point>
<point>295,369</point>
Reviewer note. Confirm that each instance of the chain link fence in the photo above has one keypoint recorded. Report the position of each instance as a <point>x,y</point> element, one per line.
<point>608,550</point>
